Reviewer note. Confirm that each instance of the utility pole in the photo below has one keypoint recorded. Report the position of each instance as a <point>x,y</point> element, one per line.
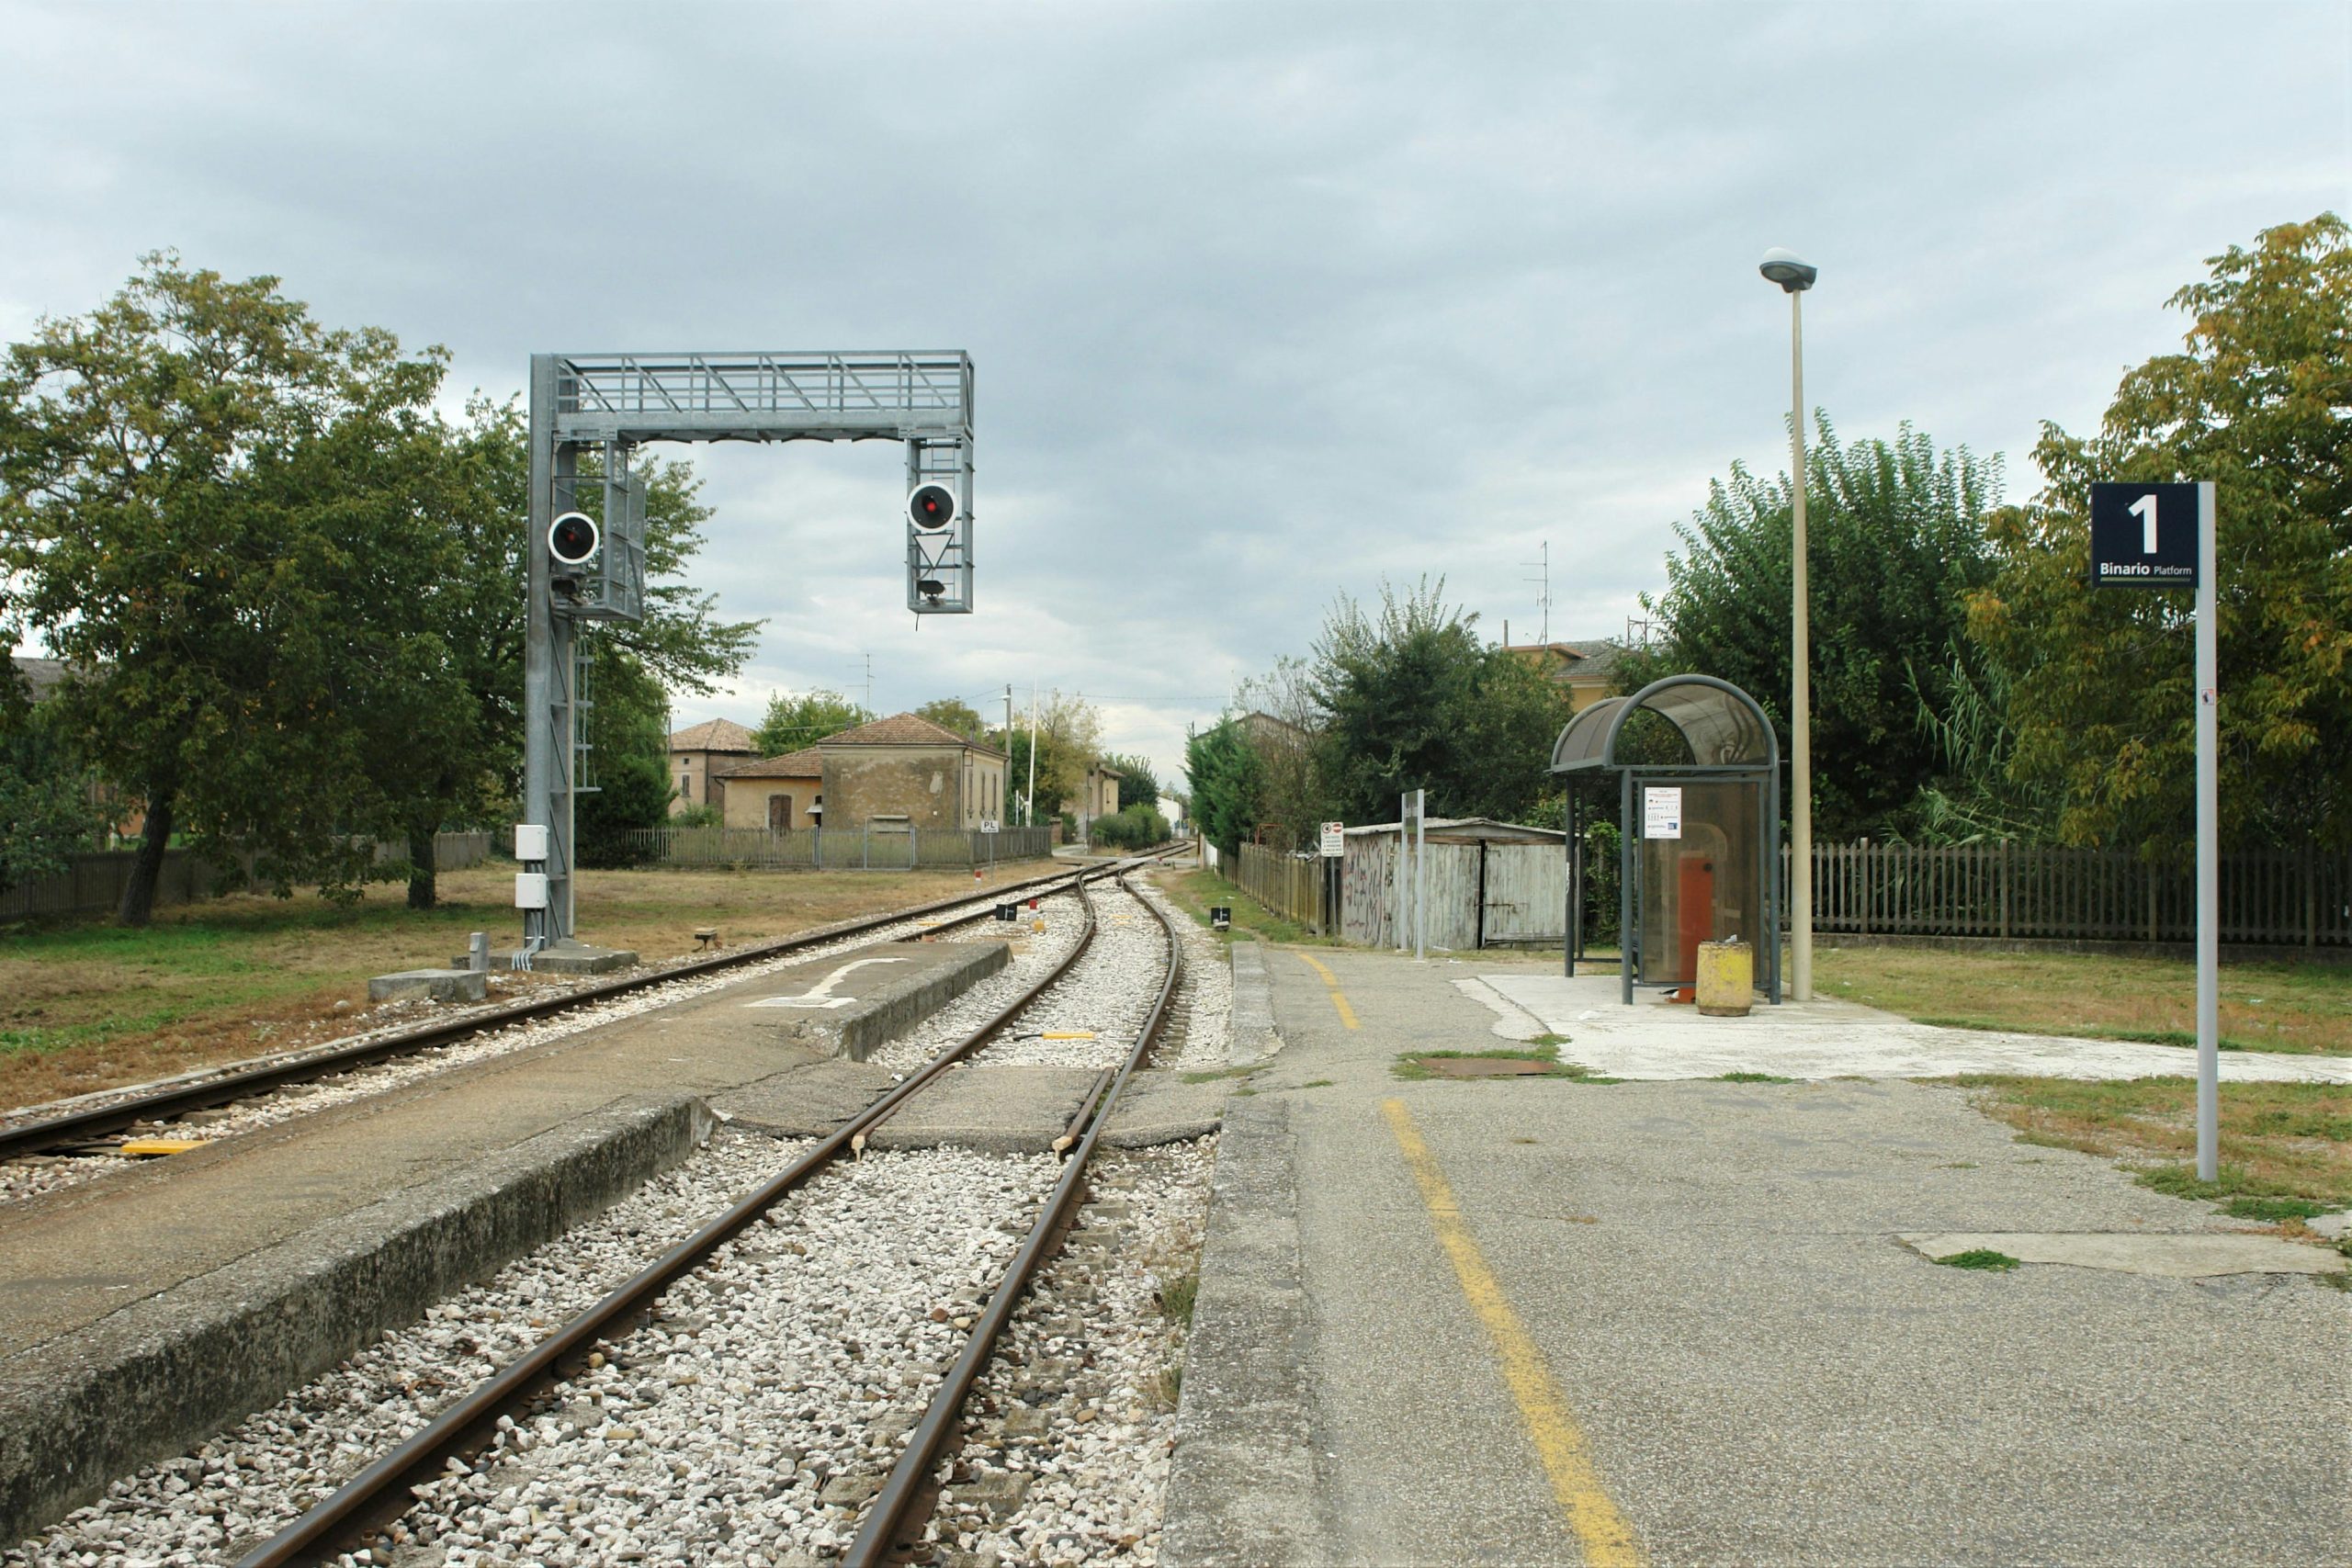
<point>1029,799</point>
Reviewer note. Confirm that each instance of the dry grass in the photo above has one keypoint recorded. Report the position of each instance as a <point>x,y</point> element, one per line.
<point>2287,1140</point>
<point>2301,1007</point>
<point>85,1005</point>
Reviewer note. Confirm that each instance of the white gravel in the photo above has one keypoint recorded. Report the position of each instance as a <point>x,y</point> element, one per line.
<point>1107,995</point>
<point>24,1177</point>
<point>1066,1447</point>
<point>1206,997</point>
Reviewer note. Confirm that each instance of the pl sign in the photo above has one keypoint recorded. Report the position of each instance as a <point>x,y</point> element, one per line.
<point>2143,535</point>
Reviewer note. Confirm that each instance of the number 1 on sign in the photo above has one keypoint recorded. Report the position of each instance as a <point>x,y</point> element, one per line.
<point>2145,509</point>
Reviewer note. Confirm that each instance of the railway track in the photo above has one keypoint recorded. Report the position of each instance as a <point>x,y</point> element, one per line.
<point>80,1129</point>
<point>700,1264</point>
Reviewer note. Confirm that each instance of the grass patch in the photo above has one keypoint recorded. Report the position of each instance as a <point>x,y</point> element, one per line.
<point>1413,1066</point>
<point>1316,1083</point>
<point>1752,1078</point>
<point>1983,1257</point>
<point>1168,1388</point>
<point>2278,1140</point>
<point>1194,891</point>
<point>86,1005</point>
<point>2304,1007</point>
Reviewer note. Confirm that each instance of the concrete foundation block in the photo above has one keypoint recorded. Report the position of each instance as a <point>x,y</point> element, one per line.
<point>578,960</point>
<point>430,984</point>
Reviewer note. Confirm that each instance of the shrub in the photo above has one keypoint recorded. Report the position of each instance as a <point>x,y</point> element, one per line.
<point>1132,829</point>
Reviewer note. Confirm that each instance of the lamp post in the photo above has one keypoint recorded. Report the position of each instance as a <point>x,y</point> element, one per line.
<point>1794,277</point>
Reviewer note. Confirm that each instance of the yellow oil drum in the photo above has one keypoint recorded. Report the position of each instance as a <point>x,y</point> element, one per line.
<point>1726,978</point>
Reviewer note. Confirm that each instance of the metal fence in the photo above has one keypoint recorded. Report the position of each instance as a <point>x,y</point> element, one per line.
<point>2272,898</point>
<point>832,849</point>
<point>92,883</point>
<point>1285,884</point>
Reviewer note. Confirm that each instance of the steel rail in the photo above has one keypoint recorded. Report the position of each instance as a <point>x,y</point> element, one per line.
<point>50,1132</point>
<point>382,1492</point>
<point>892,1513</point>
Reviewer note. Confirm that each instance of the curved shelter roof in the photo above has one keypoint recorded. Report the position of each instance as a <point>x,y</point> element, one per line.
<point>1721,723</point>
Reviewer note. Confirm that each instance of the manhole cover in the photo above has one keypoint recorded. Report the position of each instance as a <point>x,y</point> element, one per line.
<point>1485,1067</point>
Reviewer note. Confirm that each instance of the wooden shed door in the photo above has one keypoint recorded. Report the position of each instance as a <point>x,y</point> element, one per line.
<point>779,814</point>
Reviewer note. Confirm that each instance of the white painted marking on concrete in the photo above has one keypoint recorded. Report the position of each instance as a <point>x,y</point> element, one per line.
<point>821,995</point>
<point>1512,1021</point>
<point>1825,1039</point>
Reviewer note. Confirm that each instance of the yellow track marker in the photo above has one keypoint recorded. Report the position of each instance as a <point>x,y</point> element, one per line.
<point>1603,1535</point>
<point>1068,1034</point>
<point>1347,1013</point>
<point>143,1147</point>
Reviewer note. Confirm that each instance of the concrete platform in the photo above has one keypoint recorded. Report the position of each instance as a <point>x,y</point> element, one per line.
<point>143,1310</point>
<point>848,1003</point>
<point>430,984</point>
<point>1460,1322</point>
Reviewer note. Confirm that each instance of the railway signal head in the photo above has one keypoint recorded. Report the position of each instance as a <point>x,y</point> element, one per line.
<point>572,538</point>
<point>931,506</point>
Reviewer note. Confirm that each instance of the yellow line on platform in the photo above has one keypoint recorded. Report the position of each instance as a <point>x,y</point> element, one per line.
<point>1347,1013</point>
<point>1603,1533</point>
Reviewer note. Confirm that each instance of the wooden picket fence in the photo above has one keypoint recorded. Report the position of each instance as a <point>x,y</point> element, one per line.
<point>1284,884</point>
<point>833,849</point>
<point>2272,898</point>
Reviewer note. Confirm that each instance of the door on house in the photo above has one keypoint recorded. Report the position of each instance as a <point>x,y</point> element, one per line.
<point>779,814</point>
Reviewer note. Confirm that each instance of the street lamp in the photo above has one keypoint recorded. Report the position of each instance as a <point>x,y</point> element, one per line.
<point>1794,277</point>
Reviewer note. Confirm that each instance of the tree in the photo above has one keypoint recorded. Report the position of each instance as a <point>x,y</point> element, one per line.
<point>794,722</point>
<point>158,527</point>
<point>628,753</point>
<point>481,498</point>
<point>1138,785</point>
<point>1069,738</point>
<point>1895,544</point>
<point>2098,682</point>
<point>48,799</point>
<point>1414,699</point>
<point>1224,771</point>
<point>955,713</point>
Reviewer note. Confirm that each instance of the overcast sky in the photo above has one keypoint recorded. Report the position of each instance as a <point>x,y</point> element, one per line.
<point>1267,301</point>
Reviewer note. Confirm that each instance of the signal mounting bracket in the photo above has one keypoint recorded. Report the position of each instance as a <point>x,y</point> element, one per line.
<point>615,402</point>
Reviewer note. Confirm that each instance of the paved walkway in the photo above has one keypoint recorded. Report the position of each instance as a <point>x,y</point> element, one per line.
<point>1823,1039</point>
<point>1541,1321</point>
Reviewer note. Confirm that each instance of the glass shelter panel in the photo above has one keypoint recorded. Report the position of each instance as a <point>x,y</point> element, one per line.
<point>1700,871</point>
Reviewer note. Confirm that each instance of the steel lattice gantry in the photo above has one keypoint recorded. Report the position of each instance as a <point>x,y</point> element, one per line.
<point>607,404</point>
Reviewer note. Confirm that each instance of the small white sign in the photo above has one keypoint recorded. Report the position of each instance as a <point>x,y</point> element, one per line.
<point>987,824</point>
<point>1662,811</point>
<point>1335,840</point>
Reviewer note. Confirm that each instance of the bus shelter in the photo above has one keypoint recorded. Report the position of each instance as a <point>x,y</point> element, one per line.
<point>1699,802</point>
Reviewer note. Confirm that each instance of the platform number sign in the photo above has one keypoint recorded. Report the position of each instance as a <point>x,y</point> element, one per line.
<point>2143,535</point>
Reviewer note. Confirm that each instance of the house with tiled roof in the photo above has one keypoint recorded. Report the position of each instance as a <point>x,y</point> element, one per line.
<point>700,754</point>
<point>904,773</point>
<point>1585,667</point>
<point>779,794</point>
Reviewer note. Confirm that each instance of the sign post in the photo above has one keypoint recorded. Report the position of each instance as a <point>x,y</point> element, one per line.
<point>2141,538</point>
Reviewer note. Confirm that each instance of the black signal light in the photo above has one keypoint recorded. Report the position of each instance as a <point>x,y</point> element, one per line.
<point>931,506</point>
<point>572,538</point>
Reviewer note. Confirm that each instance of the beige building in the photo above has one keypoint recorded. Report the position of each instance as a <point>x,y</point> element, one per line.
<point>905,772</point>
<point>1101,797</point>
<point>699,755</point>
<point>779,794</point>
<point>1585,668</point>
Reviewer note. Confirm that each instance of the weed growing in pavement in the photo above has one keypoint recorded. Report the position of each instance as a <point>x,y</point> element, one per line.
<point>1983,1257</point>
<point>1210,1074</point>
<point>1752,1078</point>
<point>2274,1209</point>
<point>1177,1295</point>
<point>1959,1165</point>
<point>1169,1387</point>
<point>1316,1083</point>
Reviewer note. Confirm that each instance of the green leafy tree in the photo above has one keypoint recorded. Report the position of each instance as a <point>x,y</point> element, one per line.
<point>1415,700</point>
<point>2098,682</point>
<point>1138,785</point>
<point>1895,543</point>
<point>160,528</point>
<point>629,746</point>
<point>1069,738</point>
<point>955,713</point>
<point>1227,784</point>
<point>49,799</point>
<point>479,498</point>
<point>794,722</point>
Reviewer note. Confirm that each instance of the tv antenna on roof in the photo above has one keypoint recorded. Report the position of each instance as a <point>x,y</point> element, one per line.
<point>1544,602</point>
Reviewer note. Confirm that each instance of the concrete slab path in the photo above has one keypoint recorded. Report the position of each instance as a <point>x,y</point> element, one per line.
<point>1825,1039</point>
<point>1543,1321</point>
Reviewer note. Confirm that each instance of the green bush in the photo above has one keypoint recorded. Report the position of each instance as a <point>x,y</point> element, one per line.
<point>1132,829</point>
